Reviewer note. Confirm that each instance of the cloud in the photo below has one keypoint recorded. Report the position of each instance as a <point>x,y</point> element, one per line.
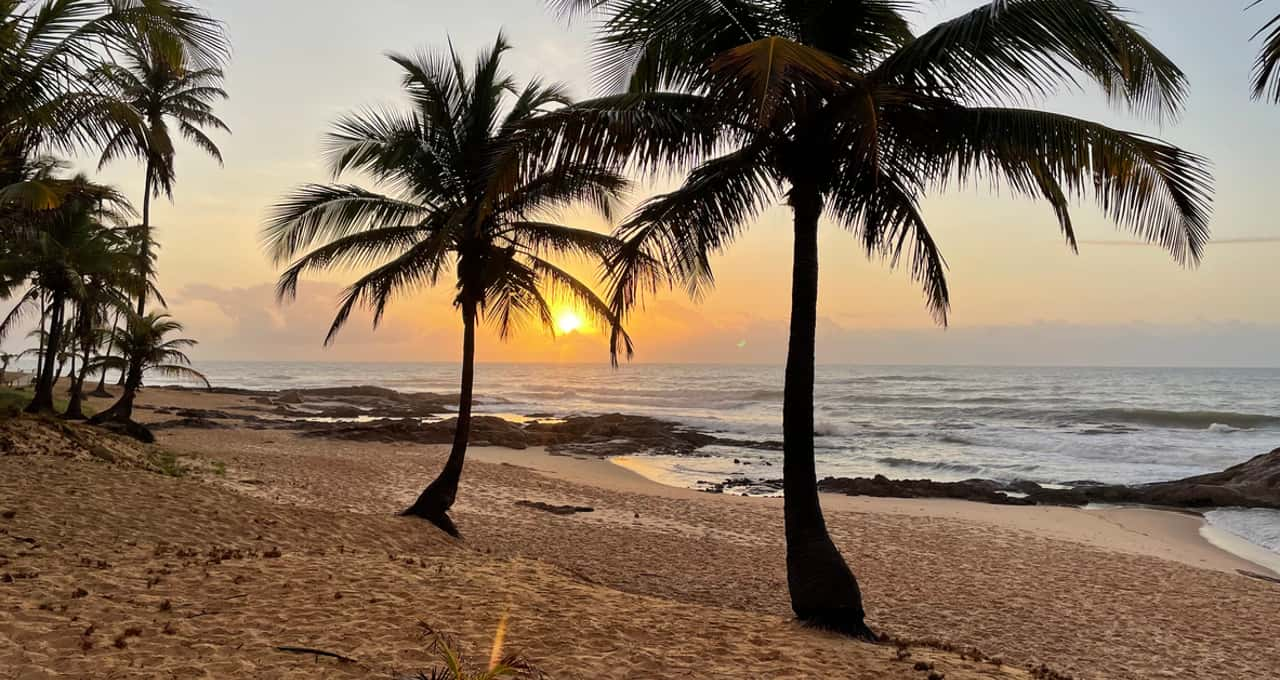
<point>246,324</point>
<point>1212,242</point>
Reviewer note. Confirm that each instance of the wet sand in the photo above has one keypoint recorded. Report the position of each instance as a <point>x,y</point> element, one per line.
<point>654,582</point>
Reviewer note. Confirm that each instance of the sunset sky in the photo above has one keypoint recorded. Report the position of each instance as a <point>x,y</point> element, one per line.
<point>1020,296</point>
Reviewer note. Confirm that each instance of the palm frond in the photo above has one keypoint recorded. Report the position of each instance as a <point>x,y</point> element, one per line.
<point>1266,69</point>
<point>1160,192</point>
<point>1033,47</point>
<point>317,212</point>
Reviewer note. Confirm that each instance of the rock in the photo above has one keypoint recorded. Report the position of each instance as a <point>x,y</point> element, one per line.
<point>1252,484</point>
<point>985,491</point>
<point>555,509</point>
<point>129,428</point>
<point>1022,486</point>
<point>603,435</point>
<point>189,423</point>
<point>206,414</point>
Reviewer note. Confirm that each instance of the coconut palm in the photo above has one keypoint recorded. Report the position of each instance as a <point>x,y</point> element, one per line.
<point>155,91</point>
<point>145,347</point>
<point>836,108</point>
<point>105,294</point>
<point>5,359</point>
<point>46,49</point>
<point>1266,70</point>
<point>463,204</point>
<point>66,247</point>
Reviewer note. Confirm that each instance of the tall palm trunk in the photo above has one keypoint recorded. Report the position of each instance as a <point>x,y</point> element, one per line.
<point>144,257</point>
<point>44,316</point>
<point>144,245</point>
<point>824,592</point>
<point>42,402</point>
<point>75,405</point>
<point>101,390</point>
<point>434,503</point>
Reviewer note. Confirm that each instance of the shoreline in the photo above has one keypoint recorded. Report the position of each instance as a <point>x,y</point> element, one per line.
<point>1167,534</point>
<point>1206,548</point>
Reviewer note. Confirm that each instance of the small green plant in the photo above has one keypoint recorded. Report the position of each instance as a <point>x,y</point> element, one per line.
<point>454,665</point>
<point>166,463</point>
<point>219,468</point>
<point>12,401</point>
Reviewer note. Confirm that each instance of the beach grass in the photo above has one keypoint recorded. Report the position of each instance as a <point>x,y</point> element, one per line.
<point>14,399</point>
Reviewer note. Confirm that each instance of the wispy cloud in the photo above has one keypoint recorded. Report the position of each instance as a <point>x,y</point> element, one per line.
<point>1212,242</point>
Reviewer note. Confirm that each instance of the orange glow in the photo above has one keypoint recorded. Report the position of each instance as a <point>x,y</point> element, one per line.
<point>568,321</point>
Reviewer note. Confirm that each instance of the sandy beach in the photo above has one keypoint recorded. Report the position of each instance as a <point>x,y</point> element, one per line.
<point>271,539</point>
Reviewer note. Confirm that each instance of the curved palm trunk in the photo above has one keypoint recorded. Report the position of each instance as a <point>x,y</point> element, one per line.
<point>42,401</point>
<point>122,410</point>
<point>824,592</point>
<point>434,502</point>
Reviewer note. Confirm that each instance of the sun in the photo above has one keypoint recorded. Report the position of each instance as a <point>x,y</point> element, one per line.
<point>568,321</point>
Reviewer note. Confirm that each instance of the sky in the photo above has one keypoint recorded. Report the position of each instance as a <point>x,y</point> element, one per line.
<point>1019,295</point>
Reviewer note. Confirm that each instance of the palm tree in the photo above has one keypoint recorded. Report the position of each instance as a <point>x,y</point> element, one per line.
<point>837,108</point>
<point>105,293</point>
<point>464,196</point>
<point>67,247</point>
<point>5,359</point>
<point>1266,70</point>
<point>144,348</point>
<point>155,89</point>
<point>49,46</point>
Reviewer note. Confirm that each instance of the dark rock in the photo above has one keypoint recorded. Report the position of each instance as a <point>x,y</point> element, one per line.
<point>1022,486</point>
<point>1252,484</point>
<point>555,509</point>
<point>984,491</point>
<point>603,435</point>
<point>190,424</point>
<point>129,428</point>
<point>205,413</point>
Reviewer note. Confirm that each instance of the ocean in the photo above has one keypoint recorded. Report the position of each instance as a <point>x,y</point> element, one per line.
<point>1047,425</point>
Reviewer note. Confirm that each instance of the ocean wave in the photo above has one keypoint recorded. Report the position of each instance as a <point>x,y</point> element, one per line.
<point>1186,420</point>
<point>888,378</point>
<point>896,462</point>
<point>1260,527</point>
<point>957,439</point>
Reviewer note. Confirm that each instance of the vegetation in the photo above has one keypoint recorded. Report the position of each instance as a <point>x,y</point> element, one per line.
<point>145,347</point>
<point>152,88</point>
<point>61,261</point>
<point>454,666</point>
<point>1266,69</point>
<point>838,109</point>
<point>90,75</point>
<point>468,200</point>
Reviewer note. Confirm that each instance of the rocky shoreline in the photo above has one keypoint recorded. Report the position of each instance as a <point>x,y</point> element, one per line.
<point>378,414</point>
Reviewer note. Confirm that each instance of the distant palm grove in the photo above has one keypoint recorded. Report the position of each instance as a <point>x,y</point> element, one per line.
<point>836,109</point>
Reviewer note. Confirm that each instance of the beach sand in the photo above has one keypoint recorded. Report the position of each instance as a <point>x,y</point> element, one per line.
<point>283,540</point>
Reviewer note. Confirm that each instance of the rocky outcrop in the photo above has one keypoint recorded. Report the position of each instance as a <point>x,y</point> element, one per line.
<point>981,490</point>
<point>1252,484</point>
<point>603,435</point>
<point>367,400</point>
